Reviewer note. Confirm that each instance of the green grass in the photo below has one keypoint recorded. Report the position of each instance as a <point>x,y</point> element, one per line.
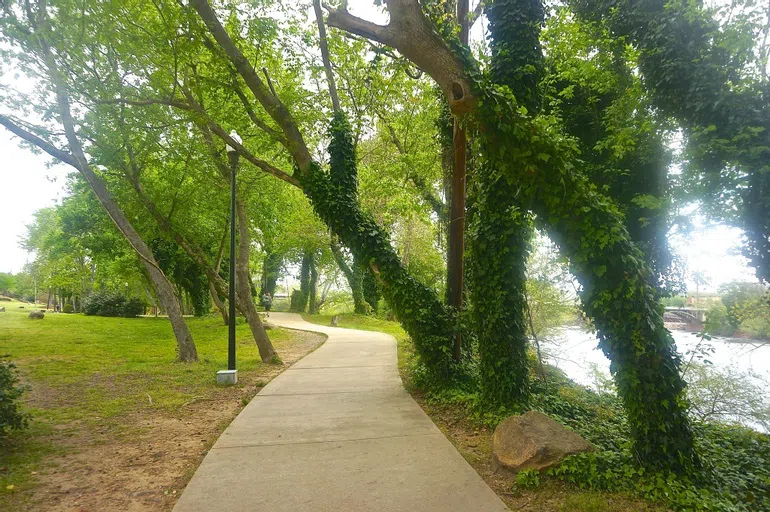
<point>83,371</point>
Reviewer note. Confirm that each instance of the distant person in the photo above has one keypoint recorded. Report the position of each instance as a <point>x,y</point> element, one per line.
<point>267,301</point>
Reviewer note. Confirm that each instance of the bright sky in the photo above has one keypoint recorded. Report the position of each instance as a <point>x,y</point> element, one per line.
<point>27,184</point>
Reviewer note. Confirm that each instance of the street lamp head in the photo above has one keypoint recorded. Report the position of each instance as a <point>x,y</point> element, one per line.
<point>233,135</point>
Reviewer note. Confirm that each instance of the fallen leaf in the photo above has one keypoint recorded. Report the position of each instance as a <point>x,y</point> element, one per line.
<point>9,487</point>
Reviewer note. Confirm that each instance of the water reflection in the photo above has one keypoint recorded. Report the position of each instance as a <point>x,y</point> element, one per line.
<point>575,352</point>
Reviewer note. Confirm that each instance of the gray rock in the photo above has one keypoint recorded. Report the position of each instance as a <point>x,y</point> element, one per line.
<point>534,441</point>
<point>335,321</point>
<point>2,309</point>
<point>37,315</point>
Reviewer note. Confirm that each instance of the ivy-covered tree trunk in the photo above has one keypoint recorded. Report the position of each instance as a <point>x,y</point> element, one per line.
<point>271,270</point>
<point>690,79</point>
<point>500,231</point>
<point>313,306</point>
<point>532,154</point>
<point>299,299</point>
<point>416,306</point>
<point>371,291</point>
<point>499,235</point>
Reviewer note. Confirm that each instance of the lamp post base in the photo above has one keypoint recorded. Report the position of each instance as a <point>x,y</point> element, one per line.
<point>227,377</point>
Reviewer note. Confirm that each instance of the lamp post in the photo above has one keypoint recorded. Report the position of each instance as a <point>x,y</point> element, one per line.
<point>230,376</point>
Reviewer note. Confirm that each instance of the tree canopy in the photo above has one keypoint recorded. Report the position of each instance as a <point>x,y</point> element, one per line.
<point>573,112</point>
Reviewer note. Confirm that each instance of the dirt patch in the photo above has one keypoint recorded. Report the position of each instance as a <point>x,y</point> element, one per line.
<point>143,462</point>
<point>474,444</point>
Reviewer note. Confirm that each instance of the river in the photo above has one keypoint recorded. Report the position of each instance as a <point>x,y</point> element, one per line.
<point>575,352</point>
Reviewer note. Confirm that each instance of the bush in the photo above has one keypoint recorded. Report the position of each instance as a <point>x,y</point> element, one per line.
<point>718,322</point>
<point>68,308</point>
<point>106,303</point>
<point>133,308</point>
<point>298,301</point>
<point>11,417</point>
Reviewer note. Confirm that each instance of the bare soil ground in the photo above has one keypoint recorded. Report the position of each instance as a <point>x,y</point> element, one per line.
<point>143,462</point>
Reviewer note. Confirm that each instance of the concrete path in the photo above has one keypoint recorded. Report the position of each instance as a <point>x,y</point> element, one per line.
<point>336,432</point>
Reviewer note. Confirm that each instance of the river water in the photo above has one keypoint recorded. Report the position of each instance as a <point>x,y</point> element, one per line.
<point>575,352</point>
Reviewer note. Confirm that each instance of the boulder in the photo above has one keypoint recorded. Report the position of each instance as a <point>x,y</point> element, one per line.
<point>2,309</point>
<point>534,441</point>
<point>37,315</point>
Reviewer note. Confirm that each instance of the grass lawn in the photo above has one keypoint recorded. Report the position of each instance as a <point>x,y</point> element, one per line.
<point>117,423</point>
<point>473,440</point>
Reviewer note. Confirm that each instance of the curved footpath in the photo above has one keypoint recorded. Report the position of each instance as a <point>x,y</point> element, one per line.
<point>336,432</point>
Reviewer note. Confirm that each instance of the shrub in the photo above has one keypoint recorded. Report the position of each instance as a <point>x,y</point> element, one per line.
<point>298,301</point>
<point>106,303</point>
<point>11,417</point>
<point>718,322</point>
<point>133,308</point>
<point>68,308</point>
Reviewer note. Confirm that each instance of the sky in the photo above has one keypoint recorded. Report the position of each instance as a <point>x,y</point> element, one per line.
<point>27,184</point>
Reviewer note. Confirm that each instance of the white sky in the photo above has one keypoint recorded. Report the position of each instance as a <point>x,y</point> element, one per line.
<point>27,184</point>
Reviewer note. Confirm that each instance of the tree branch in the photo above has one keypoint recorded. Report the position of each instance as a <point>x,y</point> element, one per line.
<point>412,34</point>
<point>39,142</point>
<point>274,107</point>
<point>319,18</point>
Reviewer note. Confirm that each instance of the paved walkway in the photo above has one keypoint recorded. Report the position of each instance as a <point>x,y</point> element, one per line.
<point>336,432</point>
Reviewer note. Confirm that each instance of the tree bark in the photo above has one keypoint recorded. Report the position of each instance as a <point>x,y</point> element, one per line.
<point>212,288</point>
<point>271,268</point>
<point>313,305</point>
<point>319,18</point>
<point>354,278</point>
<point>266,351</point>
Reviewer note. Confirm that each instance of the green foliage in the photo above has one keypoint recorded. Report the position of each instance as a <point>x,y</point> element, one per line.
<point>68,308</point>
<point>528,478</point>
<point>7,282</point>
<point>182,270</point>
<point>298,301</point>
<point>737,297</point>
<point>718,321</point>
<point>107,303</point>
<point>334,199</point>
<point>618,292</point>
<point>592,88</point>
<point>677,301</point>
<point>700,74</point>
<point>735,474</point>
<point>11,416</point>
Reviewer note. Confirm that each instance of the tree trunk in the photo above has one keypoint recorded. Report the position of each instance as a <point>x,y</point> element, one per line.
<point>313,305</point>
<point>353,275</point>
<point>218,302</point>
<point>299,301</point>
<point>271,269</point>
<point>266,351</point>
